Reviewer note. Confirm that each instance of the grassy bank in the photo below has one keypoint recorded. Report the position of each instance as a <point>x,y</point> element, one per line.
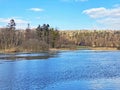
<point>104,48</point>
<point>85,48</point>
<point>13,50</point>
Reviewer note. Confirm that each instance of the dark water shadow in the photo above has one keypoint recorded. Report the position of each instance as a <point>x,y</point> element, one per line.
<point>27,56</point>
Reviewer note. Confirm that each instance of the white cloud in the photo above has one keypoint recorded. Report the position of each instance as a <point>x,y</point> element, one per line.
<point>81,0</point>
<point>109,17</point>
<point>116,5</point>
<point>20,23</point>
<point>36,9</point>
<point>102,12</point>
<point>111,22</point>
<point>96,12</point>
<point>74,0</point>
<point>38,17</point>
<point>7,20</point>
<point>4,20</point>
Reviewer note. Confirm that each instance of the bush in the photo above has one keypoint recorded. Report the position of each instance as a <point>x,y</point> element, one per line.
<point>34,45</point>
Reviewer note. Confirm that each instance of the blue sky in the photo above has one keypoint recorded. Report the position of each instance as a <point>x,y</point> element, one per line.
<point>62,14</point>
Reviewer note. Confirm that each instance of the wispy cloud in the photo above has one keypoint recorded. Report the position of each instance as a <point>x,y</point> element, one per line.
<point>106,16</point>
<point>20,23</point>
<point>74,0</point>
<point>96,12</point>
<point>38,17</point>
<point>102,12</point>
<point>6,20</point>
<point>81,0</point>
<point>36,9</point>
<point>116,5</point>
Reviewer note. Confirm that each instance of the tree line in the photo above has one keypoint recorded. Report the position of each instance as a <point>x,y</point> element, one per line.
<point>41,38</point>
<point>95,38</point>
<point>44,37</point>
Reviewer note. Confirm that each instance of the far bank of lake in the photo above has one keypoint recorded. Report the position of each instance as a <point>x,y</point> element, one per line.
<point>13,50</point>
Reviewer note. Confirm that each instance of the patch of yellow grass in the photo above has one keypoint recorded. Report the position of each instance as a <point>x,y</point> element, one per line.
<point>104,48</point>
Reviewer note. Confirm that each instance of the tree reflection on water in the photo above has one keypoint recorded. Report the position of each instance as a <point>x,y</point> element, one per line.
<point>28,56</point>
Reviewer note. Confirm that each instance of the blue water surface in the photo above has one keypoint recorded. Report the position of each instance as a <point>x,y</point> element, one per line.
<point>60,70</point>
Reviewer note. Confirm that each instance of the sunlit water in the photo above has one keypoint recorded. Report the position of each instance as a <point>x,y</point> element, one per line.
<point>60,70</point>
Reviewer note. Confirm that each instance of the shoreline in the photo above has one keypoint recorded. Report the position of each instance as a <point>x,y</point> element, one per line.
<point>103,48</point>
<point>13,50</point>
<point>86,48</point>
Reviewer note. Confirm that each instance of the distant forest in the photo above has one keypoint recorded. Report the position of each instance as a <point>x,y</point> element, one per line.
<point>93,38</point>
<point>44,37</point>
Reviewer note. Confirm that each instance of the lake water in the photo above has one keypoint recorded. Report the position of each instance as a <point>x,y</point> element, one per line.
<point>60,70</point>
